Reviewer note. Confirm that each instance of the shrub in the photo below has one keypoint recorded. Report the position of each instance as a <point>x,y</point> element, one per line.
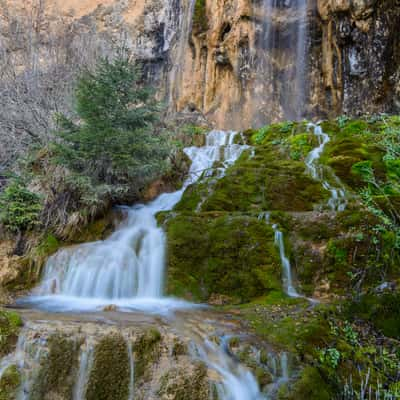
<point>19,207</point>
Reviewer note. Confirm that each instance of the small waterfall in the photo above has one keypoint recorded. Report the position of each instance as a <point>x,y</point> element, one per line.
<point>85,364</point>
<point>286,267</point>
<point>131,371</point>
<point>26,357</point>
<point>281,68</point>
<point>281,372</point>
<point>237,382</point>
<point>127,269</point>
<point>338,201</point>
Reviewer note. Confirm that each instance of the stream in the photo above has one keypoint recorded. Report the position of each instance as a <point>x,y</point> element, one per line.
<point>124,275</point>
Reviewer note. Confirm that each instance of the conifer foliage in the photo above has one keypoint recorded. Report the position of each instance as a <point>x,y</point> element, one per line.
<point>114,141</point>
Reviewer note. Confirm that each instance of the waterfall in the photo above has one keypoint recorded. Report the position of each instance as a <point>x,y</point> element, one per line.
<point>126,270</point>
<point>287,268</point>
<point>337,201</point>
<point>178,64</point>
<point>85,363</point>
<point>237,382</point>
<point>281,67</point>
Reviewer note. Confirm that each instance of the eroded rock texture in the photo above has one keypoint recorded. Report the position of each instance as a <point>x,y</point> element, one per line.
<point>239,62</point>
<point>256,61</point>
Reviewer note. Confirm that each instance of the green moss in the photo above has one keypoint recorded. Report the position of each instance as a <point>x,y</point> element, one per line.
<point>48,245</point>
<point>383,310</point>
<point>213,254</point>
<point>179,385</point>
<point>200,20</point>
<point>147,351</point>
<point>310,386</point>
<point>96,230</point>
<point>109,376</point>
<point>267,181</point>
<point>9,383</point>
<point>10,324</point>
<point>58,370</point>
<point>193,196</point>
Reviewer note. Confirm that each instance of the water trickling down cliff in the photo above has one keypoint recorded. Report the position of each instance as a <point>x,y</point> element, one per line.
<point>239,62</point>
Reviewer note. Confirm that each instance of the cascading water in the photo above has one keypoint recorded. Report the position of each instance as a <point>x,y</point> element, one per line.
<point>337,201</point>
<point>185,27</point>
<point>281,68</point>
<point>237,382</point>
<point>85,364</point>
<point>127,269</point>
<point>286,267</point>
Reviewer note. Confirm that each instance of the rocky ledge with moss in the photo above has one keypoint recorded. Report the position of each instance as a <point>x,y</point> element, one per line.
<point>221,250</point>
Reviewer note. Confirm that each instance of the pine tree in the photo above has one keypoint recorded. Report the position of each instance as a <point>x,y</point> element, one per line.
<point>113,142</point>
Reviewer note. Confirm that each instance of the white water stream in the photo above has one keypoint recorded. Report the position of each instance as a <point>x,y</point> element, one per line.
<point>282,58</point>
<point>237,382</point>
<point>127,269</point>
<point>288,285</point>
<point>337,201</point>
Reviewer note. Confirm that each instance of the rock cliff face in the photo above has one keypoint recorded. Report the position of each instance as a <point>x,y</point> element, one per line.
<point>255,61</point>
<point>239,62</point>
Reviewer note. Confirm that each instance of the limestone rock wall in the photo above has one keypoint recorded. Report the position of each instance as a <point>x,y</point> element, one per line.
<point>351,60</point>
<point>239,62</point>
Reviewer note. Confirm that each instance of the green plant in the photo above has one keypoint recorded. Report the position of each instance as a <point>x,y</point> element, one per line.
<point>19,207</point>
<point>350,335</point>
<point>200,21</point>
<point>261,134</point>
<point>330,357</point>
<point>114,142</point>
<point>286,127</point>
<point>342,121</point>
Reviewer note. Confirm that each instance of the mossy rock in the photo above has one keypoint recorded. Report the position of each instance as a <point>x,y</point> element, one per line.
<point>310,386</point>
<point>178,384</point>
<point>110,373</point>
<point>10,325</point>
<point>267,181</point>
<point>147,351</point>
<point>382,310</point>
<point>58,370</point>
<point>218,254</point>
<point>9,383</point>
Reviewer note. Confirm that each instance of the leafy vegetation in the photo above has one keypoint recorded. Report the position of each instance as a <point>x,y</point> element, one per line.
<point>19,207</point>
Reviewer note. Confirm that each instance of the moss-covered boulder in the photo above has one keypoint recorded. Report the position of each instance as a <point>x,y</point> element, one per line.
<point>58,370</point>
<point>310,386</point>
<point>9,383</point>
<point>221,254</point>
<point>110,373</point>
<point>10,325</point>
<point>147,351</point>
